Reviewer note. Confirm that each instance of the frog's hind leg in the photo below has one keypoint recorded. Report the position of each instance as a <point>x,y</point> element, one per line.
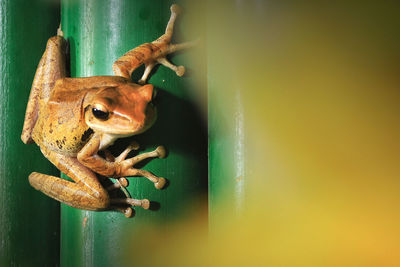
<point>85,192</point>
<point>78,196</point>
<point>51,67</point>
<point>73,194</point>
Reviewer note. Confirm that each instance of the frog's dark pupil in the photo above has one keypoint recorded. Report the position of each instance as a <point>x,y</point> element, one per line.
<point>100,114</point>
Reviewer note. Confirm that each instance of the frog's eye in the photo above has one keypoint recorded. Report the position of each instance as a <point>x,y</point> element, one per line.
<point>100,112</point>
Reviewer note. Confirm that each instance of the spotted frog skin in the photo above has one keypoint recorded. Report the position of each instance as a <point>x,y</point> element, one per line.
<point>72,119</point>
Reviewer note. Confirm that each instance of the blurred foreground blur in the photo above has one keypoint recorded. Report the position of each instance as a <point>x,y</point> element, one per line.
<point>319,88</point>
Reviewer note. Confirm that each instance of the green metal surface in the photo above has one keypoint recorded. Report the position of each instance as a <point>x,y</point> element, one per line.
<point>29,221</point>
<point>99,32</point>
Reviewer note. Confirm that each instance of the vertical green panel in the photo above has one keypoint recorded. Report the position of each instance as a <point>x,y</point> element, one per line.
<point>29,221</point>
<point>226,123</point>
<point>99,32</point>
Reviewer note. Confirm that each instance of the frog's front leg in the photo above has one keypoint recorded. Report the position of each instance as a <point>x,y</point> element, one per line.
<point>152,53</point>
<point>120,167</point>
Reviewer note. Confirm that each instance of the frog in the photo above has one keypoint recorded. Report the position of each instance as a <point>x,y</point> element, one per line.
<point>73,119</point>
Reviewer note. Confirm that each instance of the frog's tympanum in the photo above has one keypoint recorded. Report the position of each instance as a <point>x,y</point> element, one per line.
<point>72,119</point>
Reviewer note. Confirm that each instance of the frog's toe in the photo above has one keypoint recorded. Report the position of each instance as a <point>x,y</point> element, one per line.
<point>180,70</point>
<point>144,203</point>
<point>128,211</point>
<point>161,152</point>
<point>176,9</point>
<point>160,183</point>
<point>123,182</point>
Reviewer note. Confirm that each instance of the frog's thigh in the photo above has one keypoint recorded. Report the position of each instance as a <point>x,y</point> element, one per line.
<point>51,67</point>
<point>85,193</point>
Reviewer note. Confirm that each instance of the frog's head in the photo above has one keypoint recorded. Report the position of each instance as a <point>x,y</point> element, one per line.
<point>123,110</point>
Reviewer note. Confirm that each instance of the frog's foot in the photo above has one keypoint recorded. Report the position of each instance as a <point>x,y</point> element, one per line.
<point>144,203</point>
<point>165,42</point>
<point>159,152</point>
<point>127,164</point>
<point>122,183</point>
<point>168,48</point>
<point>152,53</point>
<point>162,59</point>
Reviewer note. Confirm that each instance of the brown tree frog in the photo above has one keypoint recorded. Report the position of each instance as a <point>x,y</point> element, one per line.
<point>72,119</point>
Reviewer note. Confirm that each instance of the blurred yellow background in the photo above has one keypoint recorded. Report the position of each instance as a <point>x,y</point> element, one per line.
<point>319,85</point>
